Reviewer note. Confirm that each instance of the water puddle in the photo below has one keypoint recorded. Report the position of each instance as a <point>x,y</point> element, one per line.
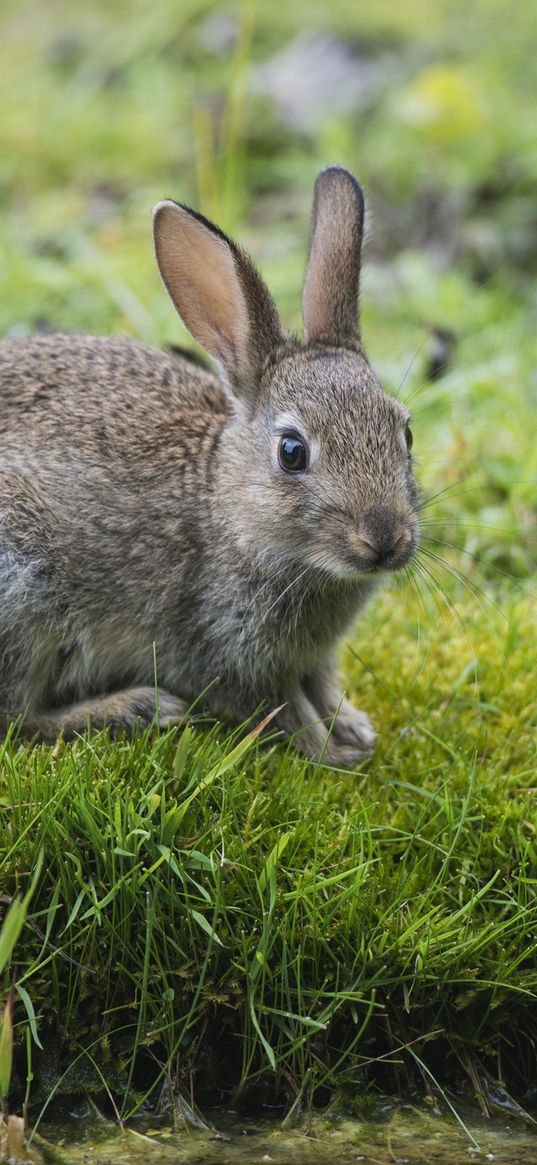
<point>393,1134</point>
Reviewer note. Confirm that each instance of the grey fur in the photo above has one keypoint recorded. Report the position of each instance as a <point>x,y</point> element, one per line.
<point>144,515</point>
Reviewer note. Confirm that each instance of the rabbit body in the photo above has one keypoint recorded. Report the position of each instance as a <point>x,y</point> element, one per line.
<point>149,532</point>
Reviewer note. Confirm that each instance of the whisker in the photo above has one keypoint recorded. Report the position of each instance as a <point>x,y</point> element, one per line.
<point>410,366</point>
<point>468,522</point>
<point>442,492</point>
<point>422,568</point>
<point>409,577</point>
<point>263,587</point>
<point>473,489</point>
<point>423,662</point>
<point>472,587</point>
<point>285,590</point>
<point>476,559</point>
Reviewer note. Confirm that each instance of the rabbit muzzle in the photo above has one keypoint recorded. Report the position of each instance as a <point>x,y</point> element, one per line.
<point>384,540</point>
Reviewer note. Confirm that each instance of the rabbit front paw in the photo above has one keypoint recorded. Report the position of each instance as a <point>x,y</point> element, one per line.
<point>353,729</point>
<point>344,739</point>
<point>344,756</point>
<point>351,741</point>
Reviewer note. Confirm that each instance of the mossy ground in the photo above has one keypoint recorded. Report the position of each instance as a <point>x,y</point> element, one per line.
<point>291,928</point>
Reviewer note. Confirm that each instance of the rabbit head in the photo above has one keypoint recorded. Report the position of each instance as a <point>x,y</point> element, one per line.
<point>316,464</point>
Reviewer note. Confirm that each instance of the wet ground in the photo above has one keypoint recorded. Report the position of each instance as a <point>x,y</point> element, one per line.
<point>393,1134</point>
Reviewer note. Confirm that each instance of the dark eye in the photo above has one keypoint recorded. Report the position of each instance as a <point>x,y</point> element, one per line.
<point>292,453</point>
<point>408,437</point>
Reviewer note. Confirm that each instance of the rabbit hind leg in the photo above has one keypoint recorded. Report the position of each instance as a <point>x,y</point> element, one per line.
<point>124,711</point>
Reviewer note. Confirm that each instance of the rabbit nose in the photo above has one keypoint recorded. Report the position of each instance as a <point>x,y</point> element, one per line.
<point>386,548</point>
<point>384,536</point>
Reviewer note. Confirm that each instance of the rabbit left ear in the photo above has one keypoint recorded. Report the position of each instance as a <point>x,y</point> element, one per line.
<point>218,293</point>
<point>330,298</point>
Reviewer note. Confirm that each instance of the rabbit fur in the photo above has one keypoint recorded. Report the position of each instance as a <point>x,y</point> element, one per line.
<point>147,526</point>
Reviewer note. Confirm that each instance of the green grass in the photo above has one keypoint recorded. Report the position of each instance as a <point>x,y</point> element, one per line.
<point>291,923</point>
<point>291,931</point>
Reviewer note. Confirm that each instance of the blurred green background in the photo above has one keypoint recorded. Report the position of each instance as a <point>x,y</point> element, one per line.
<point>107,108</point>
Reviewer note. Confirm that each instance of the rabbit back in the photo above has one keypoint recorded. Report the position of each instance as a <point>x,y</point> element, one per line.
<point>107,394</point>
<point>102,517</point>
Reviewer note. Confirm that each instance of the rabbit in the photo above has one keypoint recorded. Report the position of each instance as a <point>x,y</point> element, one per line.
<point>216,533</point>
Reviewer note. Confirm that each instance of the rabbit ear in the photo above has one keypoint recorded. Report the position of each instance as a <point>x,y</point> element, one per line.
<point>218,293</point>
<point>330,299</point>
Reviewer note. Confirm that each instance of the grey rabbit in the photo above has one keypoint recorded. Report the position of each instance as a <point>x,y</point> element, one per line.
<point>221,532</point>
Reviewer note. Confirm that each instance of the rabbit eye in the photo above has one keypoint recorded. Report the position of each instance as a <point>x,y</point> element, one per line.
<point>292,453</point>
<point>408,437</point>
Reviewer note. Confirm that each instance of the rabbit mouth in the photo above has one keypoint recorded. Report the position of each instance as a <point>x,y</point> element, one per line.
<point>369,559</point>
<point>359,567</point>
<point>349,565</point>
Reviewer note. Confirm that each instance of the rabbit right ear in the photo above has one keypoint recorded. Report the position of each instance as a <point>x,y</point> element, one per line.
<point>218,293</point>
<point>330,298</point>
